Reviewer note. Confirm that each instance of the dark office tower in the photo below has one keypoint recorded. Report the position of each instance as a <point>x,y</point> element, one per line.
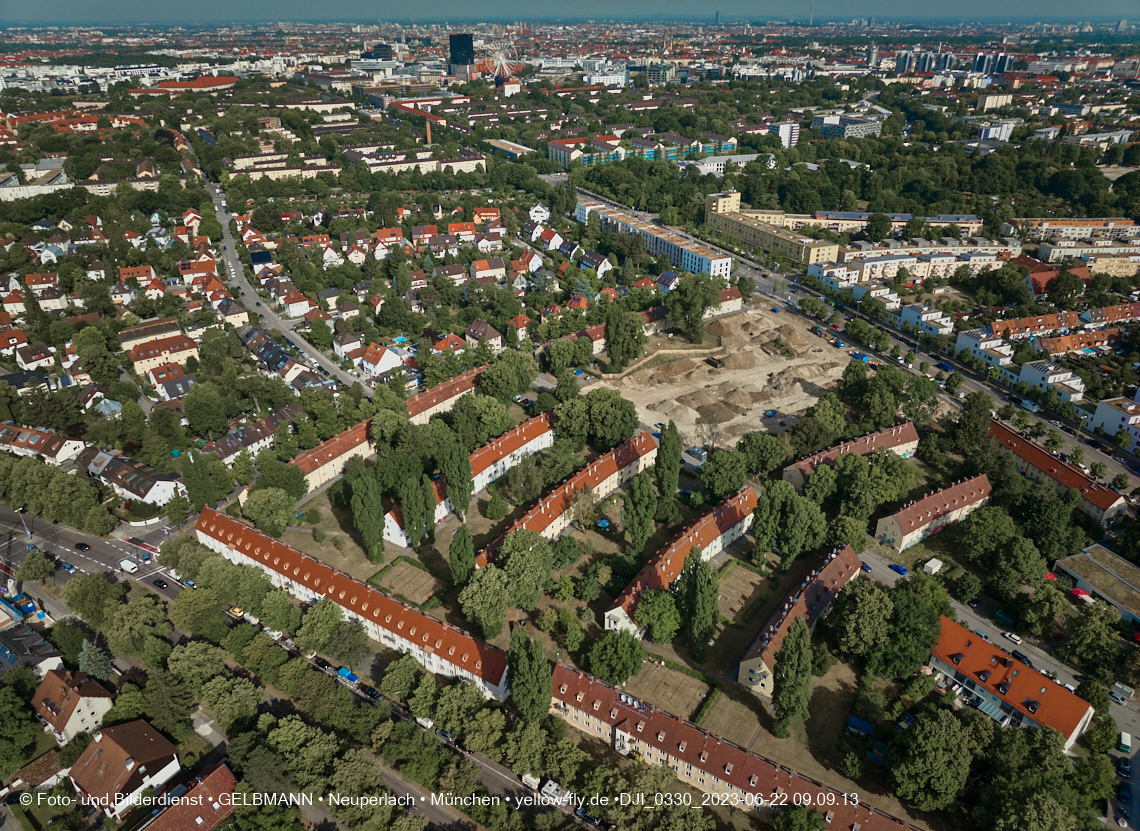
<point>462,50</point>
<point>718,19</point>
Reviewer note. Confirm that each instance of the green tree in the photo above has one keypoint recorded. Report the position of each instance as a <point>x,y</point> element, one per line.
<point>667,472</point>
<point>414,511</point>
<point>320,334</point>
<point>95,662</point>
<point>178,510</point>
<point>723,474</point>
<point>93,597</point>
<point>528,676</point>
<point>972,431</point>
<point>496,508</point>
<point>791,678</point>
<point>878,226</point>
<point>369,516</point>
<point>196,662</point>
<point>657,612</point>
<point>687,302</point>
<point>199,612</point>
<point>799,818</point>
<point>1092,634</point>
<point>400,677</point>
<point>968,587</point>
<point>270,510</point>
<point>455,466</point>
<point>168,702</point>
<point>36,566</point>
<point>20,731</point>
<point>625,337</point>
<point>319,626</point>
<point>279,613</point>
<point>640,508</point>
<point>931,765</point>
<point>762,452</point>
<point>483,600</point>
<point>616,657</point>
<point>461,555</point>
<point>242,469</point>
<point>526,560</point>
<point>695,592</point>
<point>232,700</point>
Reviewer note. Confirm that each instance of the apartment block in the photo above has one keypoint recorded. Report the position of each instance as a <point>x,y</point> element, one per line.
<point>1036,463</point>
<point>917,520</point>
<point>1115,414</point>
<point>440,648</point>
<point>712,533</point>
<point>770,238</point>
<point>682,251</point>
<point>808,602</point>
<point>1044,375</point>
<point>1077,229</point>
<point>550,516</point>
<point>1054,251</point>
<point>926,319</point>
<point>978,344</point>
<point>902,439</point>
<point>702,759</point>
<point>985,676</point>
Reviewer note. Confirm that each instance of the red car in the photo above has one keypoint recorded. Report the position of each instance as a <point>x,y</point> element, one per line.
<point>835,326</point>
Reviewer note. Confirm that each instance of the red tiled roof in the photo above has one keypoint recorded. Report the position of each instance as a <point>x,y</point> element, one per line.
<point>545,511</point>
<point>1041,459</point>
<point>663,569</point>
<point>334,448</point>
<point>201,808</point>
<point>1115,314</point>
<point>887,438</point>
<point>437,637</point>
<point>61,692</point>
<point>732,293</point>
<point>708,752</point>
<point>101,771</point>
<point>1056,707</point>
<point>924,511</point>
<point>509,442</point>
<point>807,603</point>
<point>172,345</point>
<point>448,389</point>
<point>1078,340</point>
<point>1023,326</point>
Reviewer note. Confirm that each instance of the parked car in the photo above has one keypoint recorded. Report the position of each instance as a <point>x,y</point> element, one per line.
<point>1125,768</point>
<point>321,663</point>
<point>1124,793</point>
<point>68,567</point>
<point>1023,658</point>
<point>158,581</point>
<point>371,692</point>
<point>895,567</point>
<point>1011,636</point>
<point>866,567</point>
<point>1117,697</point>
<point>82,546</point>
<point>973,604</point>
<point>190,584</point>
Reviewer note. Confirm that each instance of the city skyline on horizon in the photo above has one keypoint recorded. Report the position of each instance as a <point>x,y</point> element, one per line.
<point>213,12</point>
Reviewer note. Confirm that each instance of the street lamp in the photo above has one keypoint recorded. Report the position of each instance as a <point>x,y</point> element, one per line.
<point>20,511</point>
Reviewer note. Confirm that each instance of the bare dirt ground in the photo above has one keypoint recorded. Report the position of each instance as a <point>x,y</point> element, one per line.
<point>672,691</point>
<point>772,362</point>
<point>739,589</point>
<point>408,581</point>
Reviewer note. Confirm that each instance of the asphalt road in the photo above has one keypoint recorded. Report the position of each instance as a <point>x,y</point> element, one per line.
<point>249,297</point>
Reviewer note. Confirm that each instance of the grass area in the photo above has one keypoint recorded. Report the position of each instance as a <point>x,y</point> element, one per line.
<point>412,582</point>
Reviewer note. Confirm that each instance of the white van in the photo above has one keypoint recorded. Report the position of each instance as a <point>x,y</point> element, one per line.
<point>1124,743</point>
<point>1026,404</point>
<point>129,566</point>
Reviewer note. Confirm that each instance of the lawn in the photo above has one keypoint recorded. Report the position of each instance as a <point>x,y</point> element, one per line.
<point>670,690</point>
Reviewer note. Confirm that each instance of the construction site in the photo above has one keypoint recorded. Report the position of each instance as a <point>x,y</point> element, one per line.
<point>772,368</point>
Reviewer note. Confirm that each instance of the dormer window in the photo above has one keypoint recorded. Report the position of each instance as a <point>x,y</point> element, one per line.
<point>681,746</point>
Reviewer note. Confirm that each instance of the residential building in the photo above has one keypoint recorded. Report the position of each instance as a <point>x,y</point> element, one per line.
<point>130,479</point>
<point>1079,229</point>
<point>923,318</point>
<point>722,213</point>
<point>207,804</point>
<point>1054,251</point>
<point>1108,577</point>
<point>787,131</point>
<point>148,330</point>
<point>1115,414</point>
<point>440,648</point>
<point>1044,375</point>
<point>712,533</point>
<point>699,758</point>
<point>175,349</point>
<point>1034,327</point>
<point>978,344</point>
<point>1034,462</point>
<point>69,703</point>
<point>808,602</point>
<point>253,437</point>
<point>47,445</point>
<point>442,397</point>
<point>121,763</point>
<point>379,360</point>
<point>550,516</point>
<point>901,439</point>
<point>1096,339</point>
<point>682,251</point>
<point>986,677</point>
<point>918,519</point>
<point>845,126</point>
<point>481,330</point>
<point>326,461</point>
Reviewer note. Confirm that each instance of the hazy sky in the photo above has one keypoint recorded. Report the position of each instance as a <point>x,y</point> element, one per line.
<point>209,11</point>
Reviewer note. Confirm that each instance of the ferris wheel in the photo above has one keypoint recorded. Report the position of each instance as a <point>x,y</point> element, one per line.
<point>504,59</point>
